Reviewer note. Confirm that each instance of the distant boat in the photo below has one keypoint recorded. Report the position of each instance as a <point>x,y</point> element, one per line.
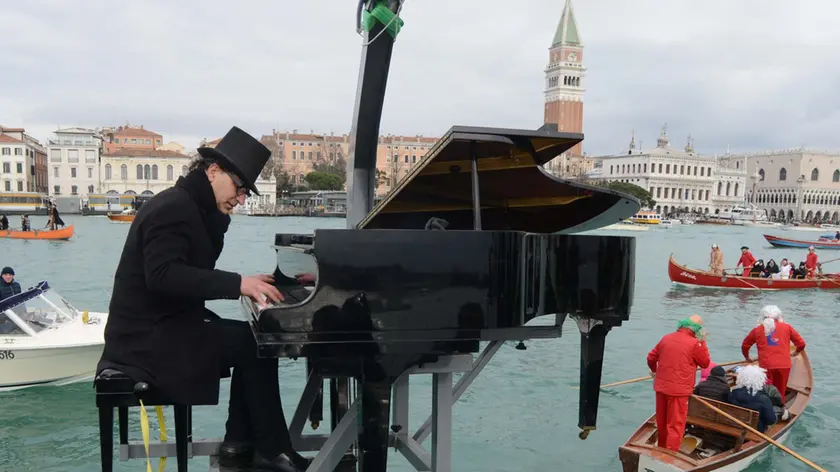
<point>127,216</point>
<point>57,234</point>
<point>646,217</point>
<point>785,242</point>
<point>682,275</point>
<point>742,214</point>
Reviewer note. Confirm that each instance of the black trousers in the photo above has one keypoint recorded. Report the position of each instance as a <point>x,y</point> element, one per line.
<point>255,413</point>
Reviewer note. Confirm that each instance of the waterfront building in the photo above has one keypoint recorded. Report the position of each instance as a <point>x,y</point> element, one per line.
<point>564,89</point>
<point>130,137</point>
<point>23,162</point>
<point>74,162</point>
<point>141,171</point>
<point>679,180</point>
<point>797,184</point>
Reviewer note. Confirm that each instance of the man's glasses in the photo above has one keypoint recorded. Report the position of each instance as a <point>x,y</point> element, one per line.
<point>241,189</point>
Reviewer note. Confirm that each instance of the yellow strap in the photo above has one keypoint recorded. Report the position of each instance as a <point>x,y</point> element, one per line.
<point>162,424</point>
<point>144,427</point>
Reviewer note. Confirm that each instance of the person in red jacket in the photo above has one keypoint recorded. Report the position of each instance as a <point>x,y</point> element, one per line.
<point>811,262</point>
<point>772,338</point>
<point>746,261</point>
<point>673,364</point>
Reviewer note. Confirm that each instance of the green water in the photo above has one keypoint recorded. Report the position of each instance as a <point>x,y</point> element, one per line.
<point>520,415</point>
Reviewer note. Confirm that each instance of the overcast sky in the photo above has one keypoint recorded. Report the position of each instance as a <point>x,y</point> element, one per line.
<point>751,74</point>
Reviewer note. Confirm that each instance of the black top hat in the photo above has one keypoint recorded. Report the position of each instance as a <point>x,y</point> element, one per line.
<point>240,153</point>
<point>745,247</point>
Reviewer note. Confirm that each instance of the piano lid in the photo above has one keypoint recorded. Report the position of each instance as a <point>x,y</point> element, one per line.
<point>514,191</point>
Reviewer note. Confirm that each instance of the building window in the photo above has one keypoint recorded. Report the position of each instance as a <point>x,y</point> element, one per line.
<point>133,140</point>
<point>7,168</point>
<point>815,175</point>
<point>761,175</point>
<point>294,155</point>
<point>20,186</point>
<point>139,172</point>
<point>783,174</point>
<point>19,167</point>
<point>73,172</point>
<point>90,172</point>
<point>55,155</point>
<point>55,171</point>
<point>124,172</point>
<point>183,170</point>
<point>90,188</point>
<point>148,141</point>
<point>147,172</point>
<point>56,189</point>
<point>836,176</point>
<point>7,151</point>
<point>74,190</point>
<point>19,152</point>
<point>154,172</point>
<point>170,173</point>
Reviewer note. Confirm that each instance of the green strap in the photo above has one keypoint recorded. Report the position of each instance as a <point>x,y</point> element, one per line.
<point>384,15</point>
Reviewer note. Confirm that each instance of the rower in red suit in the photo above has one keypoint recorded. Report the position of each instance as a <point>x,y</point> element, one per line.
<point>673,364</point>
<point>772,338</point>
<point>811,262</point>
<point>747,260</point>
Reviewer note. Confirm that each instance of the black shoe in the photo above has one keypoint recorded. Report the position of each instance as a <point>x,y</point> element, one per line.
<point>235,454</point>
<point>279,463</point>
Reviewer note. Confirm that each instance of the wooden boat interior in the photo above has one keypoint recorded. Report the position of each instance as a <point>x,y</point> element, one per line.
<point>712,440</point>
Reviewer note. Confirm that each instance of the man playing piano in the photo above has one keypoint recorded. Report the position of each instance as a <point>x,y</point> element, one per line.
<point>159,331</point>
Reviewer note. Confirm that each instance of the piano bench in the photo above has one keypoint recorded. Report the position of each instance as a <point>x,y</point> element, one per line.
<point>115,389</point>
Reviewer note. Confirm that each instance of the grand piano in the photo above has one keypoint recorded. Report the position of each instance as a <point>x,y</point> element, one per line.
<point>473,247</point>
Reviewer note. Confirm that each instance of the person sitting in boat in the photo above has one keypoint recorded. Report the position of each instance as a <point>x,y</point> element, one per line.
<point>715,386</point>
<point>811,262</point>
<point>24,222</point>
<point>749,393</point>
<point>8,285</point>
<point>716,260</point>
<point>772,338</point>
<point>4,223</point>
<point>770,269</point>
<point>837,236</point>
<point>746,261</point>
<point>775,397</point>
<point>673,364</point>
<point>785,269</point>
<point>757,268</point>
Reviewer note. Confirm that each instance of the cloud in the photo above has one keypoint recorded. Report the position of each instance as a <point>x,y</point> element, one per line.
<point>746,75</point>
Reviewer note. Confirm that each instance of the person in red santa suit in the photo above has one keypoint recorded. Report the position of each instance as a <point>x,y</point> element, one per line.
<point>811,262</point>
<point>746,261</point>
<point>772,338</point>
<point>673,363</point>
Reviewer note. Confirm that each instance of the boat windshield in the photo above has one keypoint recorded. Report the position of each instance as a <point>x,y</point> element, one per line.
<point>45,311</point>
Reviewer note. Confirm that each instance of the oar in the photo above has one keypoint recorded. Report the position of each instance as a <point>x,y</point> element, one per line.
<point>744,281</point>
<point>761,435</point>
<point>646,377</point>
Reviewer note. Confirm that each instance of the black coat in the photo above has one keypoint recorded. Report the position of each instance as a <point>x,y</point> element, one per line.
<point>158,329</point>
<point>713,387</point>
<point>7,290</point>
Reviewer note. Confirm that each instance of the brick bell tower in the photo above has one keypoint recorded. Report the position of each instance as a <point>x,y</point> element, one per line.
<point>564,78</point>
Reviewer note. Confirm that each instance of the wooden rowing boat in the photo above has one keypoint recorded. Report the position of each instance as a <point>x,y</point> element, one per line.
<point>58,234</point>
<point>712,442</point>
<point>796,243</point>
<point>682,275</point>
<point>121,217</point>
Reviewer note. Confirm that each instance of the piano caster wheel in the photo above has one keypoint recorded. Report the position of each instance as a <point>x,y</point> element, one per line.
<point>583,434</point>
<point>396,428</point>
<point>521,346</point>
<point>315,424</point>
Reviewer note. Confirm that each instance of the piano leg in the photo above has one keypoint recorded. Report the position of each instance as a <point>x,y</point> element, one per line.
<point>316,414</point>
<point>374,430</point>
<point>593,334</point>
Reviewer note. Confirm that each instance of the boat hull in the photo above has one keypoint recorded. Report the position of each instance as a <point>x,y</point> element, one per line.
<point>54,235</point>
<point>692,277</point>
<point>121,218</point>
<point>786,242</point>
<point>37,366</point>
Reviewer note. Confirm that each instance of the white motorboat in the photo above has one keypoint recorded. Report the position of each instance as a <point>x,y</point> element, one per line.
<point>44,340</point>
<point>742,214</point>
